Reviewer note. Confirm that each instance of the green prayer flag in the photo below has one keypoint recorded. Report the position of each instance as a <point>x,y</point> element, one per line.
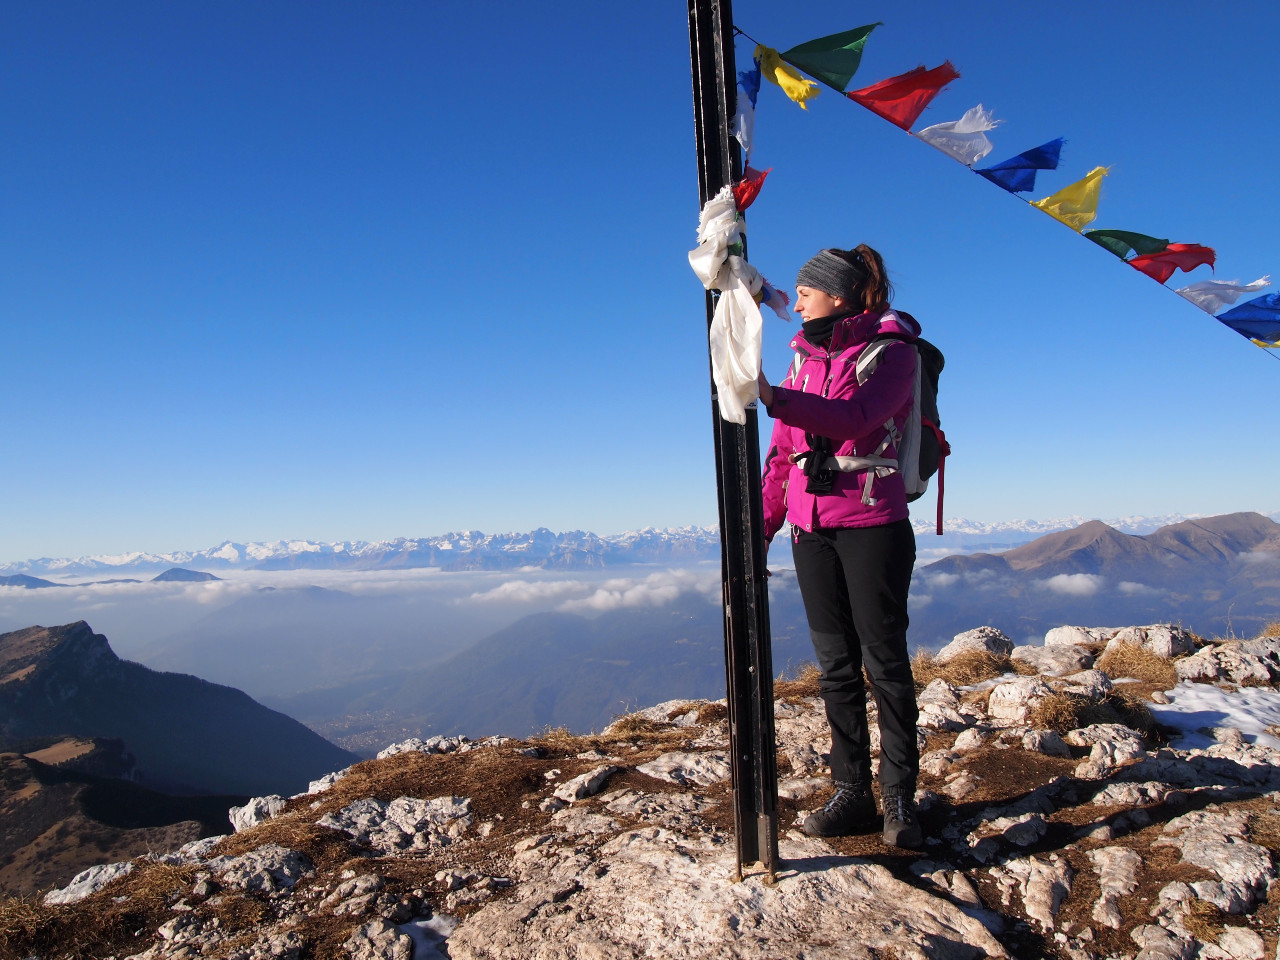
<point>834,59</point>
<point>1124,242</point>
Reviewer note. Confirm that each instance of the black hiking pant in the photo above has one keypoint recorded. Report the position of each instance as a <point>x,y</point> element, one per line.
<point>854,583</point>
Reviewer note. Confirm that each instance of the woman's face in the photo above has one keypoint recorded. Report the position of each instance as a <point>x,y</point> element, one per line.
<point>812,303</point>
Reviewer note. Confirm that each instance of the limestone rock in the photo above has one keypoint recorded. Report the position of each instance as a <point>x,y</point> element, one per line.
<point>1228,661</point>
<point>265,870</point>
<point>87,882</point>
<point>1053,661</point>
<point>1015,700</point>
<point>1117,877</point>
<point>327,781</point>
<point>702,769</point>
<point>1214,841</point>
<point>1157,943</point>
<point>193,852</point>
<point>378,940</point>
<point>430,745</point>
<point>285,945</point>
<point>663,897</point>
<point>1048,742</point>
<point>1042,882</point>
<point>1093,684</point>
<point>256,811</point>
<point>1073,636</point>
<point>586,785</point>
<point>1021,831</point>
<point>354,896</point>
<point>979,640</point>
<point>1241,943</point>
<point>404,823</point>
<point>1163,639</point>
<point>970,739</point>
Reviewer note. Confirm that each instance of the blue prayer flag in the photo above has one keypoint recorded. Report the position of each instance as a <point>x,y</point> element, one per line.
<point>749,81</point>
<point>1019,174</point>
<point>1257,319</point>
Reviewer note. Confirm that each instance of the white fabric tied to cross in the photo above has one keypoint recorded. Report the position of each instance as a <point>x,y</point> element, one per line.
<point>736,326</point>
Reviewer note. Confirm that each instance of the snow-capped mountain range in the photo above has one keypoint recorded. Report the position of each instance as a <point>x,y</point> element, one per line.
<point>473,550</point>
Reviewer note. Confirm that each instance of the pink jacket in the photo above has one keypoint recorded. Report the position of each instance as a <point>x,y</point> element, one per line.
<point>823,398</point>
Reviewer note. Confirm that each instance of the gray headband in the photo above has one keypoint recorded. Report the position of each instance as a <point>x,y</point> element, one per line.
<point>832,275</point>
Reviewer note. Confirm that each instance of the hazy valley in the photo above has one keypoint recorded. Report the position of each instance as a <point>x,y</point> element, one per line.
<point>367,656</point>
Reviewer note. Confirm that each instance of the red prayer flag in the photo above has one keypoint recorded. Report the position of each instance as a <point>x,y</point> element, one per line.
<point>747,189</point>
<point>1178,256</point>
<point>901,100</point>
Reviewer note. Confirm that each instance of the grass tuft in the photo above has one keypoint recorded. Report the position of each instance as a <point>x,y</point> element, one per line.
<point>1064,712</point>
<point>1272,629</point>
<point>803,683</point>
<point>1203,921</point>
<point>713,712</point>
<point>962,670</point>
<point>634,725</point>
<point>1136,661</point>
<point>21,919</point>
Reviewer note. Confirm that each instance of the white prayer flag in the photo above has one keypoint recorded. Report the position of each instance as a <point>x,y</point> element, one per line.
<point>744,124</point>
<point>964,139</point>
<point>1212,295</point>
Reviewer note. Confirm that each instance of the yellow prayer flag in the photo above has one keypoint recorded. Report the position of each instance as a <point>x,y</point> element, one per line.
<point>1076,205</point>
<point>787,77</point>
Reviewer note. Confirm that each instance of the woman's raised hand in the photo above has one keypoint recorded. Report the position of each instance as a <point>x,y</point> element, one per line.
<point>766,390</point>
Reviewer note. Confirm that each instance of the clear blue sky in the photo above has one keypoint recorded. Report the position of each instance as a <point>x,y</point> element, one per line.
<point>351,271</point>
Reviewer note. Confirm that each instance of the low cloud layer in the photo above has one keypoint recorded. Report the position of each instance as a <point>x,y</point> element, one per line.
<point>1073,584</point>
<point>587,596</point>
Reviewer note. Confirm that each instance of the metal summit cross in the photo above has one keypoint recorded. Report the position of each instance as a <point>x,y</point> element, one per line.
<point>748,658</point>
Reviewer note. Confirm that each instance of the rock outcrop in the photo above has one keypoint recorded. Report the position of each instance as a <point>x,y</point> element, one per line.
<point>1061,823</point>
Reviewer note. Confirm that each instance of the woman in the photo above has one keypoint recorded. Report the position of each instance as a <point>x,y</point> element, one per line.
<point>851,534</point>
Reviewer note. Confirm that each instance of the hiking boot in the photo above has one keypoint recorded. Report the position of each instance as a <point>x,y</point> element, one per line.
<point>901,825</point>
<point>851,810</point>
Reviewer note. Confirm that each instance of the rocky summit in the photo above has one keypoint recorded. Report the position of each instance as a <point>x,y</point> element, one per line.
<point>1105,794</point>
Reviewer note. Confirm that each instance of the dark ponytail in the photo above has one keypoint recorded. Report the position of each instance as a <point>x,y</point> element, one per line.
<point>873,291</point>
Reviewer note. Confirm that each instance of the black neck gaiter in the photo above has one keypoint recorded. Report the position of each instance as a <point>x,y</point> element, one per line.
<point>818,329</point>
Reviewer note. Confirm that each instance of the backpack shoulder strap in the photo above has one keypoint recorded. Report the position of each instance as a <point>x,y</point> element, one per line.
<point>870,356</point>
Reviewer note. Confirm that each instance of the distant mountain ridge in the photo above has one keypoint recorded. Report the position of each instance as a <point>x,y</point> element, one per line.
<point>574,550</point>
<point>187,735</point>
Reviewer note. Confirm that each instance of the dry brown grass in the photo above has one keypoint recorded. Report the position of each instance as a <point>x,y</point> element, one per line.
<point>961,670</point>
<point>1264,829</point>
<point>634,725</point>
<point>20,919</point>
<point>1272,629</point>
<point>1064,712</point>
<point>803,683</point>
<point>561,738</point>
<point>1136,661</point>
<point>713,712</point>
<point>1204,921</point>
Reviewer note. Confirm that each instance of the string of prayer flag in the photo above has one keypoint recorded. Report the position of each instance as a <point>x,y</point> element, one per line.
<point>833,60</point>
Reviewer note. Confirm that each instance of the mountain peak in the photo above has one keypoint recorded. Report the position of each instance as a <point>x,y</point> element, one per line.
<point>25,652</point>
